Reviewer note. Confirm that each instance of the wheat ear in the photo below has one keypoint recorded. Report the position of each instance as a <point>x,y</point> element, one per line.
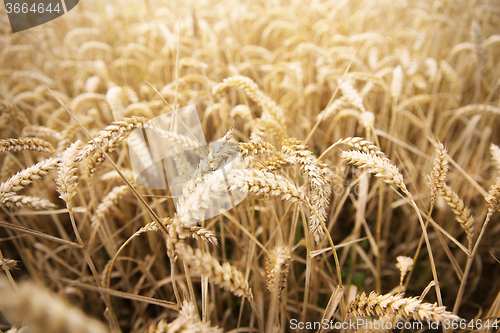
<point>107,202</point>
<point>255,148</point>
<point>109,138</point>
<point>277,267</point>
<point>295,152</point>
<point>43,310</point>
<point>26,176</point>
<point>187,321</point>
<point>263,182</point>
<point>439,171</point>
<point>40,131</point>
<point>66,178</point>
<point>380,166</point>
<point>19,201</point>
<point>493,198</point>
<point>401,308</point>
<point>224,275</point>
<point>462,213</point>
<point>26,144</point>
<point>495,155</point>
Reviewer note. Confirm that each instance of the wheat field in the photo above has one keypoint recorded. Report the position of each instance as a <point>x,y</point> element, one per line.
<point>369,139</point>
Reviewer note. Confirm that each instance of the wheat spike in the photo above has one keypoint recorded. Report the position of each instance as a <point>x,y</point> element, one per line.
<point>439,170</point>
<point>68,166</point>
<point>40,131</point>
<point>295,152</point>
<point>493,197</point>
<point>462,213</point>
<point>225,275</point>
<point>380,166</point>
<point>12,200</point>
<point>43,310</point>
<point>271,111</point>
<point>109,138</point>
<point>495,155</point>
<point>405,308</point>
<point>263,182</point>
<point>25,144</point>
<point>362,145</point>
<point>187,321</point>
<point>277,267</point>
<point>107,202</point>
<point>397,83</point>
<point>254,148</point>
<point>26,176</point>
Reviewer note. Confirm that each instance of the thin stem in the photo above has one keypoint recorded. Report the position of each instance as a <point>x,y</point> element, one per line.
<point>470,260</point>
<point>417,252</point>
<point>90,263</point>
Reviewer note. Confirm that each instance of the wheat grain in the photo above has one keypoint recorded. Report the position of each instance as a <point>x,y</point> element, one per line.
<point>295,152</point>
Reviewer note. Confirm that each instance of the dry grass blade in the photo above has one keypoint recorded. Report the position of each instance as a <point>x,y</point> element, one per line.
<point>39,234</point>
